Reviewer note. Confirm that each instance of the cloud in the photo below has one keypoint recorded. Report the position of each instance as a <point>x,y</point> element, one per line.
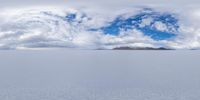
<point>57,27</point>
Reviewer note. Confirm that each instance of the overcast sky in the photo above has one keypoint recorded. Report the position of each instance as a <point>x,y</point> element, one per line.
<point>94,3</point>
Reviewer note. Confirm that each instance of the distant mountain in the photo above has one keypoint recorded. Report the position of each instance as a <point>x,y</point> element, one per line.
<point>141,48</point>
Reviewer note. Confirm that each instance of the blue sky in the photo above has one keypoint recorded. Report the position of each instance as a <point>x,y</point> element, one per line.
<point>150,30</point>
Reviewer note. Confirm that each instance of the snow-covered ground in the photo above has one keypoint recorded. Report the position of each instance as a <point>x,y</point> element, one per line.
<point>99,75</point>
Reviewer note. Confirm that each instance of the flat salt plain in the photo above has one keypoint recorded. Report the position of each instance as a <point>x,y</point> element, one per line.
<point>62,74</point>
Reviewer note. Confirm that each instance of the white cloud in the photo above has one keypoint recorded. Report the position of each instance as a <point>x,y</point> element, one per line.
<point>160,26</point>
<point>32,28</point>
<point>146,22</point>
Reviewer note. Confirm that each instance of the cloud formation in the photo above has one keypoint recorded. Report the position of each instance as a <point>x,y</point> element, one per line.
<point>55,27</point>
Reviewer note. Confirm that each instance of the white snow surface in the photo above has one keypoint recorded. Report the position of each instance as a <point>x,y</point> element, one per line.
<point>99,75</point>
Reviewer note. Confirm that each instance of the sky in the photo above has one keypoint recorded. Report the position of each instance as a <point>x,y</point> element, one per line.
<point>95,3</point>
<point>46,23</point>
